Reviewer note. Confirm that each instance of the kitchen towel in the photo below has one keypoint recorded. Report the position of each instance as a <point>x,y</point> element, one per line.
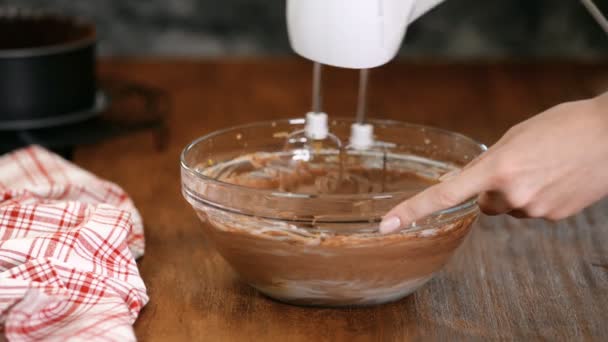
<point>68,244</point>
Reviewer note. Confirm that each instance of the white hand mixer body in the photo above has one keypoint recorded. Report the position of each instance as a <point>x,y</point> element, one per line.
<point>356,34</point>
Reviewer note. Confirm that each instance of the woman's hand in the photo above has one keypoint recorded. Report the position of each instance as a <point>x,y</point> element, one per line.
<point>552,166</point>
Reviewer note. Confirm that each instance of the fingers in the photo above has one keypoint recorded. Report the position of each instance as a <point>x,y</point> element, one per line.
<point>453,191</point>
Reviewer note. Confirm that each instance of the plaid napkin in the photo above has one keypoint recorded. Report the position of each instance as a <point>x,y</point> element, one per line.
<point>68,243</point>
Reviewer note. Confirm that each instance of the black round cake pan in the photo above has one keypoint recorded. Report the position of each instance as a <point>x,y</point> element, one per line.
<point>47,69</point>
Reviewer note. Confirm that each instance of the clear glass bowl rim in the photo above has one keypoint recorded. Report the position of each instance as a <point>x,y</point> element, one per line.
<point>464,207</point>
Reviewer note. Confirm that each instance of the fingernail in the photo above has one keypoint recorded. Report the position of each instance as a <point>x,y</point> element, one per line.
<point>389,224</point>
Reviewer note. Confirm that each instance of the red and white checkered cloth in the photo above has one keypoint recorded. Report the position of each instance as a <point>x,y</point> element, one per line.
<point>68,243</point>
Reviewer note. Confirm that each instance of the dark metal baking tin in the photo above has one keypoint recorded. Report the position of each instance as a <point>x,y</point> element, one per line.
<point>50,84</point>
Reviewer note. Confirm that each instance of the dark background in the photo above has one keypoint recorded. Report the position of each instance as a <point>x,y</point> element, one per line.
<point>457,29</point>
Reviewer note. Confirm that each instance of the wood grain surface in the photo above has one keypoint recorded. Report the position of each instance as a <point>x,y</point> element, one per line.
<point>511,279</point>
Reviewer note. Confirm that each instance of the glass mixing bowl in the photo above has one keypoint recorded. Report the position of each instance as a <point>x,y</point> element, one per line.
<point>316,248</point>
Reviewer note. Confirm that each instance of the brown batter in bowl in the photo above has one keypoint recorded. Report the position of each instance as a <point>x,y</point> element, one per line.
<point>306,233</point>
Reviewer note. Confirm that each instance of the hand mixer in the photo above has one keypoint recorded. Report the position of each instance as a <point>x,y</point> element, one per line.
<point>357,34</point>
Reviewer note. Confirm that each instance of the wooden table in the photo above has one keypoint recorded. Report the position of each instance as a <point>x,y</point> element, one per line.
<point>520,279</point>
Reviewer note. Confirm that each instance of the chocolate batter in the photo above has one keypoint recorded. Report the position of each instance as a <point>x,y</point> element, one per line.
<point>317,263</point>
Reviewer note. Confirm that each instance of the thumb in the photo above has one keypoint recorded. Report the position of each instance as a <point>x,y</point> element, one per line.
<point>453,191</point>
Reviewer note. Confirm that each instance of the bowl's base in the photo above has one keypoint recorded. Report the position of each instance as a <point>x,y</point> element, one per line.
<point>325,305</point>
<point>335,294</point>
